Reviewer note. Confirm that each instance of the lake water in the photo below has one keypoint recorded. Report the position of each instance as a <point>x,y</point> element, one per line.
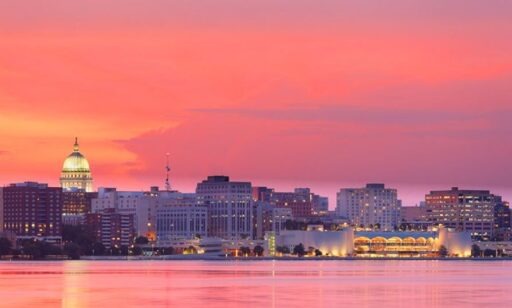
<point>256,283</point>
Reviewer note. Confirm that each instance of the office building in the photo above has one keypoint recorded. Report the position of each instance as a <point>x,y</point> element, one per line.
<point>33,210</point>
<point>76,203</point>
<point>373,206</point>
<point>302,202</point>
<point>229,207</point>
<point>463,210</point>
<point>181,222</point>
<point>114,230</point>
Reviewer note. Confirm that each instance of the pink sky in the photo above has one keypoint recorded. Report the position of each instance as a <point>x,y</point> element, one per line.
<point>416,94</point>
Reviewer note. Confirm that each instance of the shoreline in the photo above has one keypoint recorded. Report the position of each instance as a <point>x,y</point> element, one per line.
<point>245,259</point>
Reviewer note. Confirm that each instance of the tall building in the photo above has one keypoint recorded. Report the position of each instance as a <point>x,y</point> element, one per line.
<point>373,205</point>
<point>143,205</point>
<point>267,218</point>
<point>76,172</point>
<point>114,230</point>
<point>229,207</point>
<point>1,210</point>
<point>33,210</point>
<point>76,204</point>
<point>302,202</point>
<point>463,210</point>
<point>502,223</point>
<point>181,222</point>
<point>412,214</point>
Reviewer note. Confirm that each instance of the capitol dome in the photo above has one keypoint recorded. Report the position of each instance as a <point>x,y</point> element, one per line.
<point>76,172</point>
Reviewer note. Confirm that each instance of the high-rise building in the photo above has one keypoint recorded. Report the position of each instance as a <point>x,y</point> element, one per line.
<point>33,210</point>
<point>502,223</point>
<point>463,210</point>
<point>268,218</point>
<point>143,205</point>
<point>114,230</point>
<point>302,202</point>
<point>181,222</point>
<point>370,206</point>
<point>76,203</point>
<point>229,207</point>
<point>1,209</point>
<point>76,172</point>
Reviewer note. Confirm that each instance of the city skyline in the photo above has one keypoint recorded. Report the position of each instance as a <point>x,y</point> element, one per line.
<point>411,94</point>
<point>329,191</point>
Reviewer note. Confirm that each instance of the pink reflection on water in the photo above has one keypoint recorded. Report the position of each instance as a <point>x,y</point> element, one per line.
<point>256,284</point>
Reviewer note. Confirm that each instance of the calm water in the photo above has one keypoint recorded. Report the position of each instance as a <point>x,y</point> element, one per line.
<point>256,284</point>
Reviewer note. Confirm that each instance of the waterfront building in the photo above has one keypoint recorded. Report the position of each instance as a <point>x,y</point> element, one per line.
<point>229,207</point>
<point>329,243</point>
<point>463,210</point>
<point>372,206</point>
<point>377,244</point>
<point>502,222</point>
<point>181,221</point>
<point>268,218</point>
<point>411,214</point>
<point>143,205</point>
<point>114,230</point>
<point>33,210</point>
<point>76,172</point>
<point>302,202</point>
<point>76,203</point>
<point>1,209</point>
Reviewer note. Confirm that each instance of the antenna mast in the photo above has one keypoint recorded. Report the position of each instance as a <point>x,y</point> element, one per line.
<point>167,169</point>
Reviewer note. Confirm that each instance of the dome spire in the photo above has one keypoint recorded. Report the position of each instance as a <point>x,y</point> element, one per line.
<point>75,146</point>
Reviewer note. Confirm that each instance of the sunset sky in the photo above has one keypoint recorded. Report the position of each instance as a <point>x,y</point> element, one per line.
<point>415,94</point>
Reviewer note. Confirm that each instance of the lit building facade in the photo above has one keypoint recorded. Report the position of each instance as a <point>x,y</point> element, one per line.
<point>302,202</point>
<point>76,203</point>
<point>229,207</point>
<point>376,244</point>
<point>1,209</point>
<point>114,230</point>
<point>33,210</point>
<point>178,222</point>
<point>502,223</point>
<point>463,210</point>
<point>373,205</point>
<point>143,205</point>
<point>268,218</point>
<point>76,172</point>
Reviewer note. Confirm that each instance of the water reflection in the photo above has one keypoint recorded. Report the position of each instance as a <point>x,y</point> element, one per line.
<point>256,284</point>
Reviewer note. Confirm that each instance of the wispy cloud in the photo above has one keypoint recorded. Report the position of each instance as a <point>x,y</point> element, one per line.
<point>348,114</point>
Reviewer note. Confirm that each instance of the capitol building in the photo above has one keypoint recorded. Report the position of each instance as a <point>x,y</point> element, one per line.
<point>76,173</point>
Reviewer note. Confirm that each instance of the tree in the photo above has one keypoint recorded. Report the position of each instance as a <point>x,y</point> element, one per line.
<point>443,252</point>
<point>168,251</point>
<point>98,249</point>
<point>5,246</point>
<point>39,250</point>
<point>283,249</point>
<point>318,253</point>
<point>258,250</point>
<point>476,251</point>
<point>489,252</point>
<point>191,250</point>
<point>299,250</point>
<point>141,240</point>
<point>245,251</point>
<point>72,250</point>
<point>83,236</point>
<point>124,250</point>
<point>137,251</point>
